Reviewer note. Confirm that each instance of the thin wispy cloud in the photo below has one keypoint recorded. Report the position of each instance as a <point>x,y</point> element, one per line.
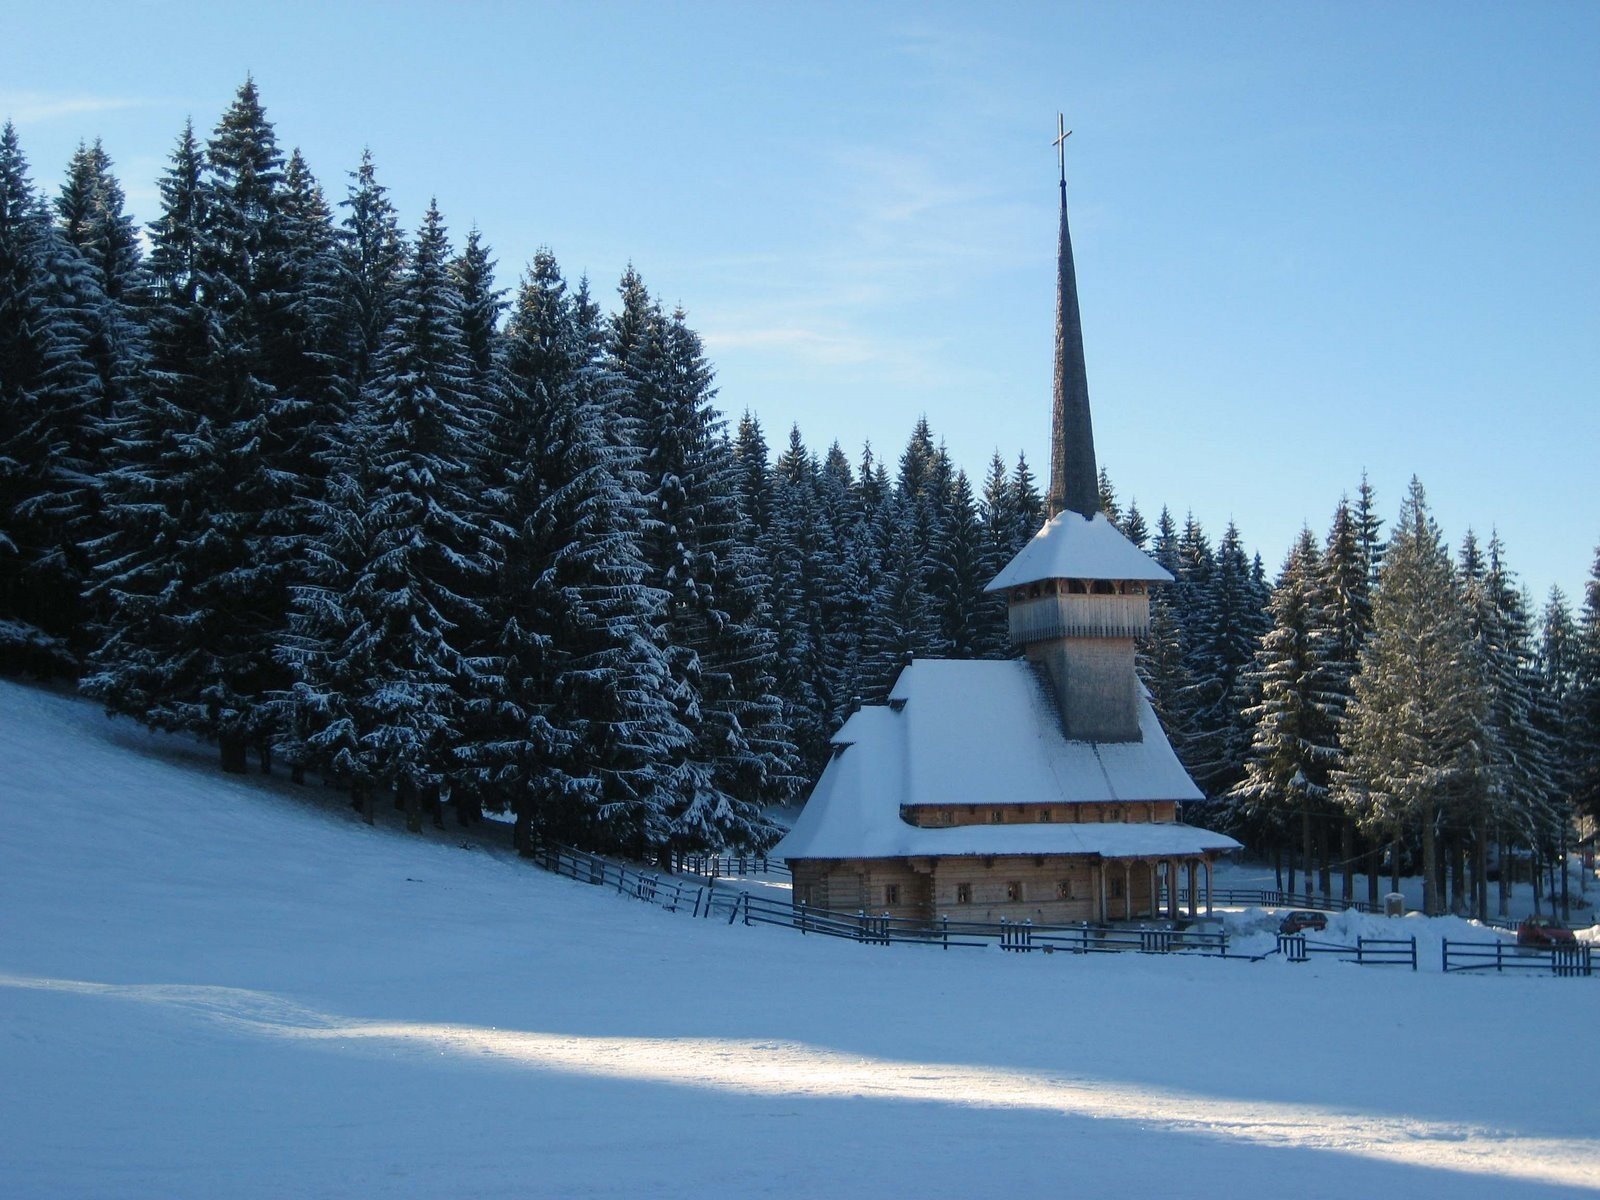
<point>27,108</point>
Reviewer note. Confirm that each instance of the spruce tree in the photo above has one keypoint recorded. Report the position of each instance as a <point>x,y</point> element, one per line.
<point>377,651</point>
<point>1411,734</point>
<point>51,404</point>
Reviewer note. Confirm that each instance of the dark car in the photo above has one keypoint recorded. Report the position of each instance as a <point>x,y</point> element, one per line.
<point>1299,922</point>
<point>1544,932</point>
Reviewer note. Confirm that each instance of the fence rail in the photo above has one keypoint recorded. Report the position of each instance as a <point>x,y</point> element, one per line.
<point>720,866</point>
<point>1368,952</point>
<point>1501,956</point>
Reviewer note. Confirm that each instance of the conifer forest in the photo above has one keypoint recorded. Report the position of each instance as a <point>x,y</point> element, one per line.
<point>280,475</point>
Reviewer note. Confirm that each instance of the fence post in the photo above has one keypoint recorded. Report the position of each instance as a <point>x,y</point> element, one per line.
<point>944,930</point>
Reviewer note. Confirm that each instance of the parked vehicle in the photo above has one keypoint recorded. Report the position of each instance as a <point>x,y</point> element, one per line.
<point>1543,933</point>
<point>1299,921</point>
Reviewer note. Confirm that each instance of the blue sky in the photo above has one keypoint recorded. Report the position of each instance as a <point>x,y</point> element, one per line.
<point>1312,240</point>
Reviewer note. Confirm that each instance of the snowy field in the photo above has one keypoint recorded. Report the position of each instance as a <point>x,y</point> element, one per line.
<point>220,987</point>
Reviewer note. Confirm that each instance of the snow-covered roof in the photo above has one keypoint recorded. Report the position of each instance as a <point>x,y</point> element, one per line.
<point>1072,546</point>
<point>986,733</point>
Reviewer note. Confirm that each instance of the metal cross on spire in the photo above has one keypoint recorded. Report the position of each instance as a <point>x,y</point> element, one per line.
<point>1062,134</point>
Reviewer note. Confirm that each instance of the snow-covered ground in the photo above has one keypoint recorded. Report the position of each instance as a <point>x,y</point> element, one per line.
<point>213,986</point>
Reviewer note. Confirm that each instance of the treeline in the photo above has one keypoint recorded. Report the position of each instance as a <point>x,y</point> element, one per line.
<point>1410,701</point>
<point>278,476</point>
<point>322,494</point>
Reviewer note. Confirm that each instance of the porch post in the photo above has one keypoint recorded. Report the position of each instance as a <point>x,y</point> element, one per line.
<point>1194,886</point>
<point>1127,890</point>
<point>1155,891</point>
<point>1100,873</point>
<point>1208,887</point>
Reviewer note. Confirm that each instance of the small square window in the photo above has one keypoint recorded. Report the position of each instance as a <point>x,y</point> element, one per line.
<point>1014,890</point>
<point>891,893</point>
<point>996,817</point>
<point>1064,890</point>
<point>963,893</point>
<point>1046,816</point>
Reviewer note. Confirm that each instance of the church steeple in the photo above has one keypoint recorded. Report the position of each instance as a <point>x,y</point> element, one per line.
<point>1074,477</point>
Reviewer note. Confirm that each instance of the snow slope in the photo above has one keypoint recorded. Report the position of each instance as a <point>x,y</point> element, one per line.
<point>230,987</point>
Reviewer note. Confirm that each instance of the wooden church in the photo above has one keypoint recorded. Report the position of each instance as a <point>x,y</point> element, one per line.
<point>1039,788</point>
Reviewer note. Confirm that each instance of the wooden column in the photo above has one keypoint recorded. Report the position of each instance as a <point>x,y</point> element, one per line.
<point>1194,887</point>
<point>1127,890</point>
<point>1174,893</point>
<point>1208,887</point>
<point>1155,891</point>
<point>1100,872</point>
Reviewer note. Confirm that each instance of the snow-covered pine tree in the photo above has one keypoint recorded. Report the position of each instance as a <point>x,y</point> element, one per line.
<point>797,560</point>
<point>1521,739</point>
<point>91,214</point>
<point>1584,708</point>
<point>51,405</point>
<point>573,734</point>
<point>1029,503</point>
<point>377,649</point>
<point>1108,499</point>
<point>1294,722</point>
<point>1412,732</point>
<point>903,621</point>
<point>1346,620</point>
<point>720,655</point>
<point>1134,527</point>
<point>372,253</point>
<point>1162,657</point>
<point>967,617</point>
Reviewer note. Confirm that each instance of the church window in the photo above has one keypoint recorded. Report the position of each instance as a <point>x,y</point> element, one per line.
<point>1064,890</point>
<point>1046,816</point>
<point>996,817</point>
<point>1116,889</point>
<point>963,893</point>
<point>1014,890</point>
<point>891,893</point>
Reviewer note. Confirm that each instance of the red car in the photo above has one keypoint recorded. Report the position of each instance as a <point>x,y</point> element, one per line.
<point>1298,922</point>
<point>1544,932</point>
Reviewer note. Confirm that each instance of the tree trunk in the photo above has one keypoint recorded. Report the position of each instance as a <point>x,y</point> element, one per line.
<point>1458,875</point>
<point>522,831</point>
<point>1347,852</point>
<point>1394,861</point>
<point>264,756</point>
<point>297,773</point>
<point>1481,871</point>
<point>1566,888</point>
<point>1306,850</point>
<point>409,795</point>
<point>1431,906</point>
<point>1374,870</point>
<point>1324,857</point>
<point>1503,879</point>
<point>233,750</point>
<point>362,796</point>
<point>1277,863</point>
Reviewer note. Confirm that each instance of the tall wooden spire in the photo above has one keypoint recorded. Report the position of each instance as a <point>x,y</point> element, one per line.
<point>1074,477</point>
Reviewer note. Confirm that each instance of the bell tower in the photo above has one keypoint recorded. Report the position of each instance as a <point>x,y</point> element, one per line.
<point>1078,594</point>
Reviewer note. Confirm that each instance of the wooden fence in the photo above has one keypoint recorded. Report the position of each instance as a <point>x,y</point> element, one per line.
<point>1368,952</point>
<point>705,900</point>
<point>1500,956</point>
